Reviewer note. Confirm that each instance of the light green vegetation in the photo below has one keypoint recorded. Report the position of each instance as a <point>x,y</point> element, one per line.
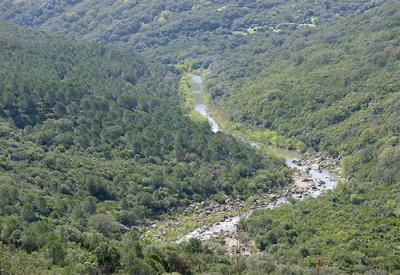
<point>188,99</point>
<point>184,88</point>
<point>270,138</point>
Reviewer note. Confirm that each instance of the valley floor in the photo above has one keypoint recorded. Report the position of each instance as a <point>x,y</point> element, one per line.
<point>313,175</point>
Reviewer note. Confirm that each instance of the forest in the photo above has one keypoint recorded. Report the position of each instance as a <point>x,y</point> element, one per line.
<point>172,30</point>
<point>339,93</point>
<point>98,140</point>
<point>92,147</point>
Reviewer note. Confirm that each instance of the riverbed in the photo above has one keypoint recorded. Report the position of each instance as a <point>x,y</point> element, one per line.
<point>317,182</point>
<point>199,104</point>
<point>310,179</point>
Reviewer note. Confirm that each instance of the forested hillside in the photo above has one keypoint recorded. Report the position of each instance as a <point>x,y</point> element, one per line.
<point>339,92</point>
<point>93,143</point>
<point>233,39</point>
<point>176,30</point>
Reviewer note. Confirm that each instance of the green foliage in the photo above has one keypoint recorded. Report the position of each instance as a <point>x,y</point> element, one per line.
<point>338,98</point>
<point>229,34</point>
<point>107,257</point>
<point>273,138</point>
<point>92,141</point>
<point>92,146</point>
<point>354,228</point>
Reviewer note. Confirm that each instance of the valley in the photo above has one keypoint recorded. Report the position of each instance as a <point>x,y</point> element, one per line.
<point>313,175</point>
<point>199,137</point>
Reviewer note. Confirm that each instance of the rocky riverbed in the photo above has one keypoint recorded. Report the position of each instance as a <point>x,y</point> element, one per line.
<point>314,175</point>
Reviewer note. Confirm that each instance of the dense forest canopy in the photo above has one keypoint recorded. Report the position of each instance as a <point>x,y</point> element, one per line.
<point>180,29</point>
<point>234,39</point>
<point>339,92</point>
<point>94,142</point>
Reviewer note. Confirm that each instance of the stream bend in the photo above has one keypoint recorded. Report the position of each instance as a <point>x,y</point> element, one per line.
<point>319,180</point>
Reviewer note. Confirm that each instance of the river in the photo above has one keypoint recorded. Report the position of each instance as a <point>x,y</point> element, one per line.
<point>318,181</point>
<point>199,104</point>
<point>322,181</point>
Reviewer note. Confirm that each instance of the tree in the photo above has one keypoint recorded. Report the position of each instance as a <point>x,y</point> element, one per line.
<point>155,261</point>
<point>179,147</point>
<point>55,250</point>
<point>104,224</point>
<point>137,266</point>
<point>127,100</point>
<point>60,110</point>
<point>108,257</point>
<point>35,236</point>
<point>41,206</point>
<point>389,160</point>
<point>8,226</point>
<point>27,214</point>
<point>194,246</point>
<point>99,190</point>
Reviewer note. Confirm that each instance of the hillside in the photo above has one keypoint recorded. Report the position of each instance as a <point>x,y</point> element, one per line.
<point>93,144</point>
<point>232,39</point>
<point>177,30</point>
<point>339,93</point>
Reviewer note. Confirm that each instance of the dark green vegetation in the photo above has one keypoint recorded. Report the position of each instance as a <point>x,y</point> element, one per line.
<point>93,143</point>
<point>96,123</point>
<point>352,230</point>
<point>339,93</point>
<point>175,30</point>
<point>234,39</point>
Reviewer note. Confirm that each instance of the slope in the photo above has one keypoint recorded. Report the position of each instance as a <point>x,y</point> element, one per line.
<point>93,144</point>
<point>340,93</point>
<point>176,30</point>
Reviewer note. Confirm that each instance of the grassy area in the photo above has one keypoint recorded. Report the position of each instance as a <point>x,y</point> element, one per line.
<point>188,99</point>
<point>249,31</point>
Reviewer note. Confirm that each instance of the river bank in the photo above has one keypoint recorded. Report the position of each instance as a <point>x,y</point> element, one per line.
<point>311,178</point>
<point>200,106</point>
<point>313,175</point>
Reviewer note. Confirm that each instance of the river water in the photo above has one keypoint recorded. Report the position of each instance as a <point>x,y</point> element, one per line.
<point>228,226</point>
<point>199,104</point>
<point>323,180</point>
